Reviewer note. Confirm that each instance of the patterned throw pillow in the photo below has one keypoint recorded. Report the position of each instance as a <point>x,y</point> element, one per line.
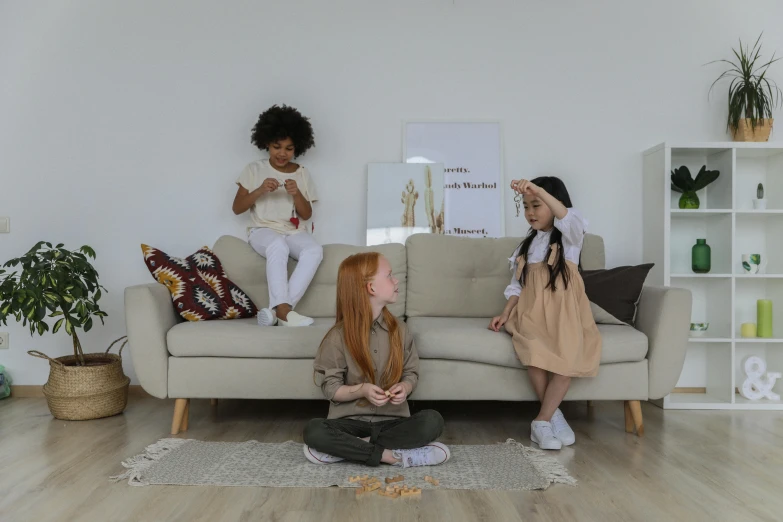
<point>198,284</point>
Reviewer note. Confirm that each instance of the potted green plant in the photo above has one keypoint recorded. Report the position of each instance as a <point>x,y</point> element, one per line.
<point>752,95</point>
<point>760,203</point>
<point>61,285</point>
<point>683,182</point>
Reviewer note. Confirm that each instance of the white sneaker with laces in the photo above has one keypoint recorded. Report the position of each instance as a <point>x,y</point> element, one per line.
<point>319,457</point>
<point>561,429</point>
<point>294,319</point>
<point>432,454</point>
<point>266,317</point>
<point>541,433</point>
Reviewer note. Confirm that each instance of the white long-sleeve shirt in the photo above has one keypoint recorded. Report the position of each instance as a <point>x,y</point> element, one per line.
<point>573,227</point>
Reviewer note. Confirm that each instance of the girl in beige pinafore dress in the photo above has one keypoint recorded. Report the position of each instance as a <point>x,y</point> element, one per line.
<point>548,314</point>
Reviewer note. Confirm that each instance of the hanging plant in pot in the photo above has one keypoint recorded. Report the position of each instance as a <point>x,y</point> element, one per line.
<point>752,95</point>
<point>62,285</point>
<point>683,182</point>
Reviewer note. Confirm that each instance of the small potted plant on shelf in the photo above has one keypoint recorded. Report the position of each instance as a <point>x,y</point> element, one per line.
<point>752,95</point>
<point>760,203</point>
<point>62,285</point>
<point>682,181</point>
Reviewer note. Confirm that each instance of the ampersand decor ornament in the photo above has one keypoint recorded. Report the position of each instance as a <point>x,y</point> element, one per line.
<point>759,383</point>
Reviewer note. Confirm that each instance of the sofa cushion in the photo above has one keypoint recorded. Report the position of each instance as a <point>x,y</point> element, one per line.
<point>614,293</point>
<point>248,269</point>
<point>244,338</point>
<point>468,339</point>
<point>465,277</point>
<point>198,284</point>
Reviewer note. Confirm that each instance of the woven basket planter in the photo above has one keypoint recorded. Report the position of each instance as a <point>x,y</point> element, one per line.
<point>745,131</point>
<point>99,389</point>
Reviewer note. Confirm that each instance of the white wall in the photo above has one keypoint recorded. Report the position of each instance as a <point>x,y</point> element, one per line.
<point>127,122</point>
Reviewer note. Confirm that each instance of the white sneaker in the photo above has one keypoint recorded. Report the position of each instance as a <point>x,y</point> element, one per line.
<point>561,429</point>
<point>266,317</point>
<point>319,457</point>
<point>294,319</point>
<point>432,454</point>
<point>541,433</point>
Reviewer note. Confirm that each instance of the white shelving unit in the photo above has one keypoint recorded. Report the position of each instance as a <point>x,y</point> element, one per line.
<point>726,296</point>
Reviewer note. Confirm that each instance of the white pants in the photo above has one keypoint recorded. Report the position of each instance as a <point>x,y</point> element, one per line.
<point>276,248</point>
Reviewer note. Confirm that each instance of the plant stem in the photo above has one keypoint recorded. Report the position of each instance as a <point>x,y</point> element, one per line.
<point>77,348</point>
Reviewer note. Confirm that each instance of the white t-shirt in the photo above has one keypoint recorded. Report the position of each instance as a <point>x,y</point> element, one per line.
<point>275,209</point>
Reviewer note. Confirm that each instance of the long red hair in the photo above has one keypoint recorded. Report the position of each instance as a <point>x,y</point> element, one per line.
<point>354,315</point>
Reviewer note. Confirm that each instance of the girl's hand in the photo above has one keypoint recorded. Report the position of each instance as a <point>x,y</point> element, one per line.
<point>374,394</point>
<point>269,185</point>
<point>399,392</point>
<point>497,322</point>
<point>291,187</point>
<point>524,186</point>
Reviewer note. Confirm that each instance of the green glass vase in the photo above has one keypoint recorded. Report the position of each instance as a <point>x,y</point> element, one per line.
<point>689,200</point>
<point>701,257</point>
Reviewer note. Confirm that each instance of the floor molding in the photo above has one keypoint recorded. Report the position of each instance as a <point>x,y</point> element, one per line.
<point>22,391</point>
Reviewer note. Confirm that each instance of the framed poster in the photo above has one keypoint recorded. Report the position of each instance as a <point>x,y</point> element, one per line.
<point>403,199</point>
<point>472,156</point>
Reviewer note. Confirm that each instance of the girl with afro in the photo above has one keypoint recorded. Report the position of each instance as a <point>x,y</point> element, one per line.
<point>279,196</point>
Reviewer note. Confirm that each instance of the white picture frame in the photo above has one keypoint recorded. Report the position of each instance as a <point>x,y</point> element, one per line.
<point>472,154</point>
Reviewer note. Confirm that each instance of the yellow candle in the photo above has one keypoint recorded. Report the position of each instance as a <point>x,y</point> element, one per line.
<point>748,329</point>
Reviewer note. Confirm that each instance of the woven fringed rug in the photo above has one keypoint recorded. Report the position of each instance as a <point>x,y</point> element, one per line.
<point>187,462</point>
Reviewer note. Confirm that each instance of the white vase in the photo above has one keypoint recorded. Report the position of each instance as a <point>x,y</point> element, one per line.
<point>760,204</point>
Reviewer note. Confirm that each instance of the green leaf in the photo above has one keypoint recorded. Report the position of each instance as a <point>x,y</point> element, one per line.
<point>88,325</point>
<point>705,177</point>
<point>57,325</point>
<point>681,178</point>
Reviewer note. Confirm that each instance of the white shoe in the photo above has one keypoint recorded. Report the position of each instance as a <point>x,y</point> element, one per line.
<point>432,454</point>
<point>541,433</point>
<point>266,317</point>
<point>294,319</point>
<point>561,429</point>
<point>319,457</point>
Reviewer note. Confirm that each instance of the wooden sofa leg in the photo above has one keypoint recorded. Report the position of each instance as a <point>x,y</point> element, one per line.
<point>179,422</point>
<point>185,417</point>
<point>633,417</point>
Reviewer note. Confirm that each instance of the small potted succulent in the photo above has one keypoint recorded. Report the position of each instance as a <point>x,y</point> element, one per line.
<point>760,203</point>
<point>683,182</point>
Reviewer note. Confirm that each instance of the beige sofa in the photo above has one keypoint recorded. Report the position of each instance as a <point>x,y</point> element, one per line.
<point>449,288</point>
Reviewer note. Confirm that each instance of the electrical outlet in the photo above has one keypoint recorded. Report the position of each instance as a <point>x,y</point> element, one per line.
<point>5,225</point>
<point>4,340</point>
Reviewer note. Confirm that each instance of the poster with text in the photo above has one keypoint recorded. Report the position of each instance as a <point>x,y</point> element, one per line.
<point>403,199</point>
<point>473,173</point>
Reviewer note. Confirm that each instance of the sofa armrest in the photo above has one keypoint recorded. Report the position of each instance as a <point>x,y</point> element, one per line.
<point>664,316</point>
<point>149,316</point>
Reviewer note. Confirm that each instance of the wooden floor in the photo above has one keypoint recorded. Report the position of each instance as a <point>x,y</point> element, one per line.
<point>689,466</point>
